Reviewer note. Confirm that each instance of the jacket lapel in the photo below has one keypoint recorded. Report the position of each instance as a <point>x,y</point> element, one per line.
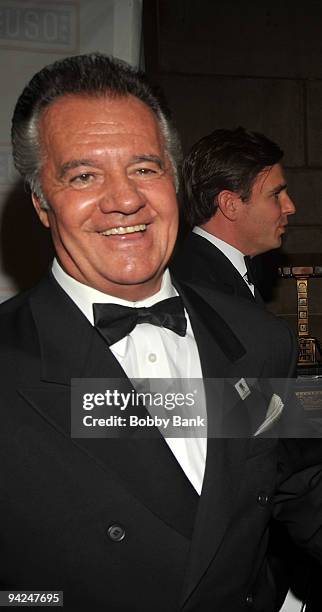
<point>220,352</point>
<point>225,275</point>
<point>218,347</point>
<point>224,466</point>
<point>71,348</point>
<point>78,351</point>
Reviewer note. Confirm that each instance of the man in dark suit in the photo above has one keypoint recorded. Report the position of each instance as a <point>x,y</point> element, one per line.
<point>236,201</point>
<point>126,523</point>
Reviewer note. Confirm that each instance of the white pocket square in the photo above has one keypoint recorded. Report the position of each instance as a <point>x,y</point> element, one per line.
<point>273,413</point>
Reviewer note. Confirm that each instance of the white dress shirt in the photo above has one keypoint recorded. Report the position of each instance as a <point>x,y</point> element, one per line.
<point>235,256</point>
<point>151,352</point>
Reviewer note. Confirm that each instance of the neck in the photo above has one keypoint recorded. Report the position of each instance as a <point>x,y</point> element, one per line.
<point>225,230</point>
<point>128,292</point>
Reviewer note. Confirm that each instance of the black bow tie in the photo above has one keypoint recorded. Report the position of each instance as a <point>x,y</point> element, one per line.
<point>114,322</point>
<point>251,275</point>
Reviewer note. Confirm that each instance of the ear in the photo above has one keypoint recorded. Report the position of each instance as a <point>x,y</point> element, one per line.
<point>229,203</point>
<point>41,212</point>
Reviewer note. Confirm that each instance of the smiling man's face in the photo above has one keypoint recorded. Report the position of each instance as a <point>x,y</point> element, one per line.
<point>108,182</point>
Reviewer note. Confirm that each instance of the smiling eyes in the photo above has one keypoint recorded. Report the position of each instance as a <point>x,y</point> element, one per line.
<point>91,179</point>
<point>145,171</point>
<point>82,179</point>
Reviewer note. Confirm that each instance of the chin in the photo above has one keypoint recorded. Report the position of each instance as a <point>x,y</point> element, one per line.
<point>135,278</point>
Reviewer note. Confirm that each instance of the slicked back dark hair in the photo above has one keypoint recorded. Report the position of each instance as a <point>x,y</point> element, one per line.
<point>225,159</point>
<point>94,75</point>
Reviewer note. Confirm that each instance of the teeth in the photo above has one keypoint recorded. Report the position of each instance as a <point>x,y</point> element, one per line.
<point>124,230</point>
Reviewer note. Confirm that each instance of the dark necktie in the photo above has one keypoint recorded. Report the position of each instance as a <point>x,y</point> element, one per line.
<point>114,322</point>
<point>250,270</point>
<point>251,278</point>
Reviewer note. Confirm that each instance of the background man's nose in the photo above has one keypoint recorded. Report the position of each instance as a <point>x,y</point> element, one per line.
<point>288,205</point>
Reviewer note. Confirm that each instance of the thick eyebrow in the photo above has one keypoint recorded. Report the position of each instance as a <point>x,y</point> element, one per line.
<point>148,158</point>
<point>278,188</point>
<point>75,163</point>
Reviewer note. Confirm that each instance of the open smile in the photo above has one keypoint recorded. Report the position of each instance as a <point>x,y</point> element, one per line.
<point>119,231</point>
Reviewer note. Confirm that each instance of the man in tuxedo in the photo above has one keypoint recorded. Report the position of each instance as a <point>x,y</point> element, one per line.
<point>126,523</point>
<point>236,201</point>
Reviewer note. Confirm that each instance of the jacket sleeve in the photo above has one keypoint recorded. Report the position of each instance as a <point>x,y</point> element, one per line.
<point>298,498</point>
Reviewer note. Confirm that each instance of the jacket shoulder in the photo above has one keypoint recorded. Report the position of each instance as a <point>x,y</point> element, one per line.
<point>264,336</point>
<point>17,327</point>
<point>197,259</point>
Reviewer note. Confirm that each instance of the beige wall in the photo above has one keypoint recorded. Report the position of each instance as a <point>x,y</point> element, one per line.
<point>32,34</point>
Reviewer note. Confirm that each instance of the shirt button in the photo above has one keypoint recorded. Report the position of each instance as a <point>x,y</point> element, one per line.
<point>262,498</point>
<point>116,532</point>
<point>152,357</point>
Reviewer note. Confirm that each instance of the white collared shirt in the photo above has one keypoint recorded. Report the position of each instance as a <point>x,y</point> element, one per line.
<point>151,352</point>
<point>235,256</point>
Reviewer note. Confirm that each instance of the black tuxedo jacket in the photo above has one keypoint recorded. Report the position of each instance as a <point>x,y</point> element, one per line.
<point>65,502</point>
<point>198,260</point>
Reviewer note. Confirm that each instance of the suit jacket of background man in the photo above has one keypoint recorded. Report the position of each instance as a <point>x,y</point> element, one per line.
<point>198,260</point>
<point>59,496</point>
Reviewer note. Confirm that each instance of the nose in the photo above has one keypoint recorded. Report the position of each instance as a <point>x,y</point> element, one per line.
<point>288,206</point>
<point>121,195</point>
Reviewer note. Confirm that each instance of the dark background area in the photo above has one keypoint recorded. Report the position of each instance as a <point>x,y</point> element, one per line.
<point>257,64</point>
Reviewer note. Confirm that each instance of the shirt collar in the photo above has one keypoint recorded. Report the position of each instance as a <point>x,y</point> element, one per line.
<point>235,256</point>
<point>85,296</point>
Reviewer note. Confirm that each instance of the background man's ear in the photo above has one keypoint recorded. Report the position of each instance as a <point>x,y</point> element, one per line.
<point>229,203</point>
<point>41,212</point>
